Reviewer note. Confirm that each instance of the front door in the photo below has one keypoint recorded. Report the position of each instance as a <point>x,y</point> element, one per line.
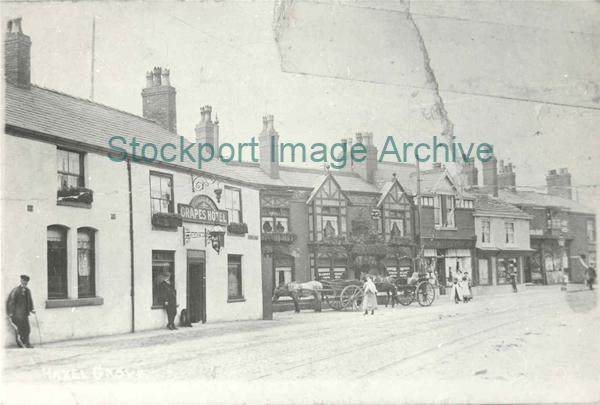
<point>196,285</point>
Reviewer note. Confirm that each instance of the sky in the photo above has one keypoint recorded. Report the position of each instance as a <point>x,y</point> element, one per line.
<point>522,76</point>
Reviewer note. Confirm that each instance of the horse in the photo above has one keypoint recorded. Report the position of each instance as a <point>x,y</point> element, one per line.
<point>386,284</point>
<point>297,290</point>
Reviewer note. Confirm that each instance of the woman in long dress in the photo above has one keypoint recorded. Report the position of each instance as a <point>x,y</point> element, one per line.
<point>370,298</point>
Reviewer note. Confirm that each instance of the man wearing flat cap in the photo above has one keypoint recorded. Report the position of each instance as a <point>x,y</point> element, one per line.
<point>168,297</point>
<point>19,306</point>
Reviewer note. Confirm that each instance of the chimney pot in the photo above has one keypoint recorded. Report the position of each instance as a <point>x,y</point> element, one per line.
<point>159,102</point>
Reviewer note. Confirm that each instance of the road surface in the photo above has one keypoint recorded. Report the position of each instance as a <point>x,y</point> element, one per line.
<point>489,349</point>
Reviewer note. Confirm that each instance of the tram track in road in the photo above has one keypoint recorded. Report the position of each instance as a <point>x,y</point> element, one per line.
<point>392,324</point>
<point>386,340</point>
<point>443,317</point>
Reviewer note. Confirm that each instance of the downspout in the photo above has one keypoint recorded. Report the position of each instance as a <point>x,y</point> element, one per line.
<point>132,268</point>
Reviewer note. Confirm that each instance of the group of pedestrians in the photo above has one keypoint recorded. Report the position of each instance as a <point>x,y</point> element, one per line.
<point>462,288</point>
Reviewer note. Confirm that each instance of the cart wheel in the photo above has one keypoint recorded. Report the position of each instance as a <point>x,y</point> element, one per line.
<point>405,296</point>
<point>351,297</point>
<point>425,294</point>
<point>333,302</point>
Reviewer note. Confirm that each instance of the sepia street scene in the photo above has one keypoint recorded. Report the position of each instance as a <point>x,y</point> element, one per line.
<point>300,201</point>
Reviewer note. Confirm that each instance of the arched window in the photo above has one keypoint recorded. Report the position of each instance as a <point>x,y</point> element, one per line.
<point>86,262</point>
<point>57,262</point>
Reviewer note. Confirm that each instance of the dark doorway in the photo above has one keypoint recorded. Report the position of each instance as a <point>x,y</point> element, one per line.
<point>441,273</point>
<point>528,278</point>
<point>196,285</point>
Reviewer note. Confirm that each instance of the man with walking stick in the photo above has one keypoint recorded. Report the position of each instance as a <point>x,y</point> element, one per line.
<point>19,306</point>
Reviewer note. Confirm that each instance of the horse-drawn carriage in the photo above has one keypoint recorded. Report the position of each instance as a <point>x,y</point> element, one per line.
<point>348,294</point>
<point>411,289</point>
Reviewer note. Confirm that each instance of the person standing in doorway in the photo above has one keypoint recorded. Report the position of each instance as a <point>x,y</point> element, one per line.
<point>168,296</point>
<point>513,280</point>
<point>19,306</point>
<point>370,298</point>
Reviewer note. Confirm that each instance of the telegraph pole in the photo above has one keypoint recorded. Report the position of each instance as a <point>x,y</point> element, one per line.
<point>93,57</point>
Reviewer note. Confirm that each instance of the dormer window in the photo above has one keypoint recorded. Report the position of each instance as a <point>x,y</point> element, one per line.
<point>444,211</point>
<point>331,221</point>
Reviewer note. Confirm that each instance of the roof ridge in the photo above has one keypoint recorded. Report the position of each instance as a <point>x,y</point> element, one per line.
<point>92,102</point>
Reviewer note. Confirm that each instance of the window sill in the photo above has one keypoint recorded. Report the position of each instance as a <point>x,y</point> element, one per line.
<point>446,228</point>
<point>167,229</point>
<point>238,299</point>
<point>161,306</point>
<point>74,302</point>
<point>74,204</point>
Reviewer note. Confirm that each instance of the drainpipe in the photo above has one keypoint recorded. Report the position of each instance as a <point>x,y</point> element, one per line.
<point>132,268</point>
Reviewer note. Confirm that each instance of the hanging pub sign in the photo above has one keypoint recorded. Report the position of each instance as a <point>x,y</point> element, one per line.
<point>202,209</point>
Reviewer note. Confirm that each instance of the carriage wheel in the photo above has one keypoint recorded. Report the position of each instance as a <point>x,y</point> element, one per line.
<point>425,294</point>
<point>351,297</point>
<point>334,302</point>
<point>405,296</point>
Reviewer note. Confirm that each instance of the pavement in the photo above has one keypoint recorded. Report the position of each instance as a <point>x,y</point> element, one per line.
<point>538,345</point>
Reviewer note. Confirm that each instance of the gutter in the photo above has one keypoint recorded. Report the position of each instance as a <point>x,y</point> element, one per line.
<point>131,264</point>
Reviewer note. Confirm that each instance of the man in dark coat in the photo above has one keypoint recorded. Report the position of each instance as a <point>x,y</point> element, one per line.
<point>18,308</point>
<point>168,296</point>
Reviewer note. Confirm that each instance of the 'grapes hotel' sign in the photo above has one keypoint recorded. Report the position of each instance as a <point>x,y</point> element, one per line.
<point>202,215</point>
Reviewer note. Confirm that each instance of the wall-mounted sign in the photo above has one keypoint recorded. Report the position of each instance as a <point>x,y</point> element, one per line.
<point>202,209</point>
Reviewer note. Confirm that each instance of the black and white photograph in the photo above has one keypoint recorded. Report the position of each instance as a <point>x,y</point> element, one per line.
<point>300,202</point>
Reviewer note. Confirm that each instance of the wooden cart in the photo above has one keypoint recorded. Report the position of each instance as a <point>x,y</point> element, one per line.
<point>343,294</point>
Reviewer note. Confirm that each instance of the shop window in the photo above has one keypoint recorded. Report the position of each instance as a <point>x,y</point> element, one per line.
<point>86,263</point>
<point>485,231</point>
<point>70,169</point>
<point>591,230</point>
<point>234,277</point>
<point>506,267</point>
<point>57,262</point>
<point>161,192</point>
<point>233,204</point>
<point>162,260</point>
<point>444,211</point>
<point>484,272</point>
<point>332,267</point>
<point>509,230</point>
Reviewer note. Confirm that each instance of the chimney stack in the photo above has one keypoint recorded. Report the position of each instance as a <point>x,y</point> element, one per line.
<point>506,176</point>
<point>207,131</point>
<point>159,99</point>
<point>490,176</point>
<point>269,156</point>
<point>367,168</point>
<point>470,173</point>
<point>17,55</point>
<point>559,183</point>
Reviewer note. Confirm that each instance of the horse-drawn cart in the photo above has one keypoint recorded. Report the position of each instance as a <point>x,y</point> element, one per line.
<point>343,294</point>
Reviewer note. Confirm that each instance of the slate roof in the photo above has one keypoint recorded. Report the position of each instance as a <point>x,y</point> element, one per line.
<point>54,113</point>
<point>535,199</point>
<point>489,205</point>
<point>83,121</point>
